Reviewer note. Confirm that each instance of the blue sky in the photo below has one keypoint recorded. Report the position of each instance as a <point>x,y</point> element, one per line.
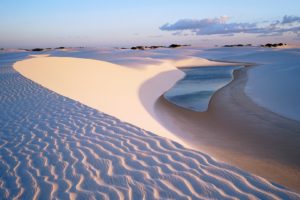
<point>43,23</point>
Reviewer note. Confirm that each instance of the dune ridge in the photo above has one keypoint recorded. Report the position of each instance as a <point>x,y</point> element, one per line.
<point>55,147</point>
<point>101,84</point>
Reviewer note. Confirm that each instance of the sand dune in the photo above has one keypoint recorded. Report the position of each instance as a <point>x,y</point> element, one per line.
<point>100,85</point>
<point>54,147</point>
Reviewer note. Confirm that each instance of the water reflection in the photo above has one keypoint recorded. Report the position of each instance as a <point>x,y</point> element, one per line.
<point>195,90</point>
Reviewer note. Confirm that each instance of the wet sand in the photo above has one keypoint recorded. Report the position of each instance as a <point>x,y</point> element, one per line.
<point>237,131</point>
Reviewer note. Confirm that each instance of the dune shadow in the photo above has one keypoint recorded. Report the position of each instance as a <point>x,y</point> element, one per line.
<point>234,130</point>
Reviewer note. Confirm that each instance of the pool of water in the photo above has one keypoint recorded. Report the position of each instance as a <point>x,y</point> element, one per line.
<point>195,90</point>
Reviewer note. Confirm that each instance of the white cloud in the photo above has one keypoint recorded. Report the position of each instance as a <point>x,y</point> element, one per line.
<point>222,26</point>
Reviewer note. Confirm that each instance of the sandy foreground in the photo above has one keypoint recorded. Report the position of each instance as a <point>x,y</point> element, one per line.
<point>135,94</point>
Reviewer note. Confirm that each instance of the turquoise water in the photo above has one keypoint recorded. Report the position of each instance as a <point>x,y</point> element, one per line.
<point>195,90</point>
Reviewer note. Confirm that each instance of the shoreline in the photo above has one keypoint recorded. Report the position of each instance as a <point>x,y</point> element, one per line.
<point>213,89</point>
<point>241,133</point>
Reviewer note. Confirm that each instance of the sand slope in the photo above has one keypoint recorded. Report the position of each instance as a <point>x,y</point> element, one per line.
<point>108,87</point>
<point>54,147</point>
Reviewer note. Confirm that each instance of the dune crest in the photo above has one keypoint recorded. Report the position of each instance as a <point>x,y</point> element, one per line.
<point>101,85</point>
<point>111,88</point>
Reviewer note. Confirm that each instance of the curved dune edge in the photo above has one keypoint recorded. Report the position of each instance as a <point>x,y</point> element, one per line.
<point>110,88</point>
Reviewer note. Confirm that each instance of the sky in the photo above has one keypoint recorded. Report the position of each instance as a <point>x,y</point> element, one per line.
<point>118,23</point>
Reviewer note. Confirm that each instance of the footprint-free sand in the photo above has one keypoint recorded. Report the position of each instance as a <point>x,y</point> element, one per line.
<point>131,154</point>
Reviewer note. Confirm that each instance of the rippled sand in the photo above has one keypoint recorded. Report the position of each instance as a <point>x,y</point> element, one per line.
<point>54,147</point>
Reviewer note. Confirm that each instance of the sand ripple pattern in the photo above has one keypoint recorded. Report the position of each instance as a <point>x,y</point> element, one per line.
<point>52,147</point>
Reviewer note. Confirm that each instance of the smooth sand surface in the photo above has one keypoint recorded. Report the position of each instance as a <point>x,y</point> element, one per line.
<point>239,132</point>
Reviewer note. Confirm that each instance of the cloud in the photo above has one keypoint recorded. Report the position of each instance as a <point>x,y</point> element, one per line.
<point>222,26</point>
<point>188,24</point>
<point>290,19</point>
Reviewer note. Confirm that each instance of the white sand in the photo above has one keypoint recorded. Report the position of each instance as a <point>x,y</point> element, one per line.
<point>108,87</point>
<point>84,154</point>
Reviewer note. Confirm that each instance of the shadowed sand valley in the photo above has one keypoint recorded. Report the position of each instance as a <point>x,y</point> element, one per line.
<point>237,131</point>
